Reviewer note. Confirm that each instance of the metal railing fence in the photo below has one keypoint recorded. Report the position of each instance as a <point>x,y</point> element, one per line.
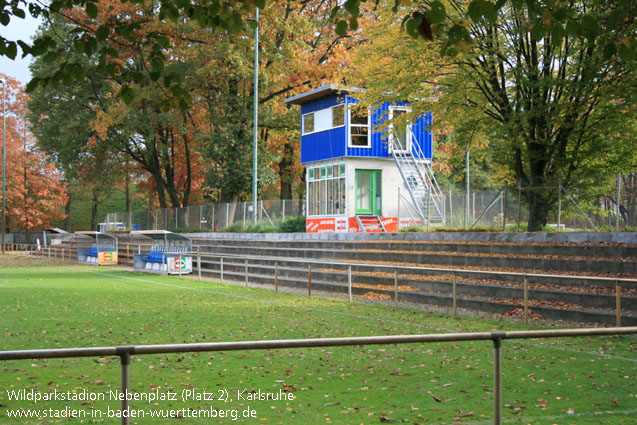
<point>125,352</point>
<point>614,282</point>
<point>395,268</point>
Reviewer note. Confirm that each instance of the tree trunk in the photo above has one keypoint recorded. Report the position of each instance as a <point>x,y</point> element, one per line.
<point>540,204</point>
<point>286,171</point>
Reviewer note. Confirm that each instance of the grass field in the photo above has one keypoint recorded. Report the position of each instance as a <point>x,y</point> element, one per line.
<point>565,381</point>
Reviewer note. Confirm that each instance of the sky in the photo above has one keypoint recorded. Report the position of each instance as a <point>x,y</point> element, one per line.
<point>18,29</point>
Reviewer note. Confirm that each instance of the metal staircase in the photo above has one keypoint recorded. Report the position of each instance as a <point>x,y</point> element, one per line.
<point>420,180</point>
<point>370,224</point>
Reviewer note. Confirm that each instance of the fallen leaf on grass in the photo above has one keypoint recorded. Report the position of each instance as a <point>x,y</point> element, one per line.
<point>386,419</point>
<point>435,397</point>
<point>462,415</point>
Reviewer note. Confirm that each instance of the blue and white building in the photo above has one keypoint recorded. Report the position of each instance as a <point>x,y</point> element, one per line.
<point>363,175</point>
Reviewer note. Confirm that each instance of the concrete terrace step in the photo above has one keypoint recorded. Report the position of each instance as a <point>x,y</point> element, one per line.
<point>582,250</point>
<point>577,264</point>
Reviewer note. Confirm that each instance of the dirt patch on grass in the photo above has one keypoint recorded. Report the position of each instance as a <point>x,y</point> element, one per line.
<point>24,259</point>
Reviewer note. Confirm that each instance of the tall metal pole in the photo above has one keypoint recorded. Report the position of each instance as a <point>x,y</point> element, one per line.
<point>467,187</point>
<point>256,117</point>
<point>4,155</point>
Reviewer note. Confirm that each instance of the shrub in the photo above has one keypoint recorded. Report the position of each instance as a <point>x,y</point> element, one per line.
<point>292,225</point>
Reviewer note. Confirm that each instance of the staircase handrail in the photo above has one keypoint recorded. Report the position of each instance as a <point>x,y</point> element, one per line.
<point>402,174</point>
<point>430,173</point>
<point>433,183</point>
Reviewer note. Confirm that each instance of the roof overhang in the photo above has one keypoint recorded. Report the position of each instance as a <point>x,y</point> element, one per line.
<point>326,90</point>
<point>160,235</point>
<point>95,235</point>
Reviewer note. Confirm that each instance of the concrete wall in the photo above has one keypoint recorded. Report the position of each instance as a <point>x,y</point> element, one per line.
<point>391,181</point>
<point>583,237</point>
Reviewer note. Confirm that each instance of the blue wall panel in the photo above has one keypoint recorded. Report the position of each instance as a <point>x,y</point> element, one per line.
<point>423,136</point>
<point>323,145</point>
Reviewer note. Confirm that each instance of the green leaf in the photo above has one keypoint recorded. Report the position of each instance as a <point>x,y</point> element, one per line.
<point>91,10</point>
<point>127,94</point>
<point>538,31</point>
<point>102,33</point>
<point>489,12</point>
<point>437,13</point>
<point>18,12</point>
<point>573,28</point>
<point>157,63</point>
<point>11,50</point>
<point>352,6</point>
<point>474,11</point>
<point>353,23</point>
<point>412,25</point>
<point>626,53</point>
<point>590,27</point>
<point>557,34</point>
<point>32,85</point>
<point>610,50</point>
<point>341,28</point>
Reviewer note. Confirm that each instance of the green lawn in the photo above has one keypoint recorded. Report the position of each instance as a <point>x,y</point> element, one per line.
<point>578,381</point>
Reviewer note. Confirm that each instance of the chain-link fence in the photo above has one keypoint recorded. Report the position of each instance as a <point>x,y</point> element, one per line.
<point>211,217</point>
<point>589,204</point>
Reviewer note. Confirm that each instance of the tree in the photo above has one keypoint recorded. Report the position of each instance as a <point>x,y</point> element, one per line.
<point>35,194</point>
<point>61,119</point>
<point>544,95</point>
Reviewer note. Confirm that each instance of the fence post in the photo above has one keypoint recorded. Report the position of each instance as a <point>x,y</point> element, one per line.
<point>559,204</point>
<point>504,206</point>
<point>49,252</point>
<point>199,261</point>
<point>519,205</point>
<point>246,272</point>
<point>276,275</point>
<point>526,300</point>
<point>395,288</point>
<point>497,377</point>
<point>453,294</point>
<point>124,357</point>
<point>398,210</point>
<point>221,269</point>
<point>618,295</point>
<point>349,282</point>
<point>309,280</point>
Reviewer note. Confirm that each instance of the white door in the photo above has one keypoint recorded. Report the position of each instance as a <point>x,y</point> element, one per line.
<point>400,131</point>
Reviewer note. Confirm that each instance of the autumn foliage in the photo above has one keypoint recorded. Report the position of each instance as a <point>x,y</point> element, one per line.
<point>35,194</point>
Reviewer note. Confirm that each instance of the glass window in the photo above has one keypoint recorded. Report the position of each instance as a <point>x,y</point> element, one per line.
<point>338,116</point>
<point>326,190</point>
<point>358,129</point>
<point>308,123</point>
